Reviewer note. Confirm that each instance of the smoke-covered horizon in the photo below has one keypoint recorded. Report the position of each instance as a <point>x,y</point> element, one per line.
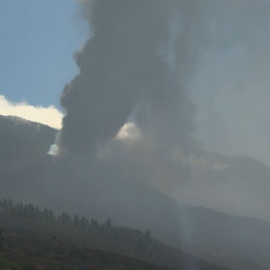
<point>156,82</point>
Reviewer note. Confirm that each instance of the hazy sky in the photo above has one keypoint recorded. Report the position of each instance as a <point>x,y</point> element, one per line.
<point>232,90</point>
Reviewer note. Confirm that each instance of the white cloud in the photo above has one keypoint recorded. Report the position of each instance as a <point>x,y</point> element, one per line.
<point>45,115</point>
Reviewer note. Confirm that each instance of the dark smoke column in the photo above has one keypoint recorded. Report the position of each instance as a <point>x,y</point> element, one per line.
<point>120,63</point>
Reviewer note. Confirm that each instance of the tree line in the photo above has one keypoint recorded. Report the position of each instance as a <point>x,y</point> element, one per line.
<point>10,210</point>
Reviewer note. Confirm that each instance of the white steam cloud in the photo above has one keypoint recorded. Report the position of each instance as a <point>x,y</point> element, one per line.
<point>129,132</point>
<point>45,115</point>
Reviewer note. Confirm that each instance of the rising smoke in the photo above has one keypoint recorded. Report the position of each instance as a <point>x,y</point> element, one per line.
<point>130,68</point>
<point>138,69</point>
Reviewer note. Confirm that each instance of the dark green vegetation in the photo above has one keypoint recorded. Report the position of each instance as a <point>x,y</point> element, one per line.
<point>34,252</point>
<point>1,241</point>
<point>35,239</point>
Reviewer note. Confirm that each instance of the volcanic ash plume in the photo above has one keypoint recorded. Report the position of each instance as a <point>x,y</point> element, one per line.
<point>131,105</point>
<point>129,68</point>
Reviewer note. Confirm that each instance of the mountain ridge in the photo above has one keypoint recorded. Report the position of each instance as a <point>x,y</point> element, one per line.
<point>60,184</point>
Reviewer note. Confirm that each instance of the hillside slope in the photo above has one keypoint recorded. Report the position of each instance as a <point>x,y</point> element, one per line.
<point>36,238</point>
<point>22,141</point>
<point>220,238</point>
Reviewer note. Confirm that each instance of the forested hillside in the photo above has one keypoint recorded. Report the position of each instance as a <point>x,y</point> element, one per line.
<point>33,238</point>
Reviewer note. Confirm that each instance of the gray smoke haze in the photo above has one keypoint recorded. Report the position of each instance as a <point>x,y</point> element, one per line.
<point>233,99</point>
<point>146,71</point>
<point>231,89</point>
<point>124,70</point>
